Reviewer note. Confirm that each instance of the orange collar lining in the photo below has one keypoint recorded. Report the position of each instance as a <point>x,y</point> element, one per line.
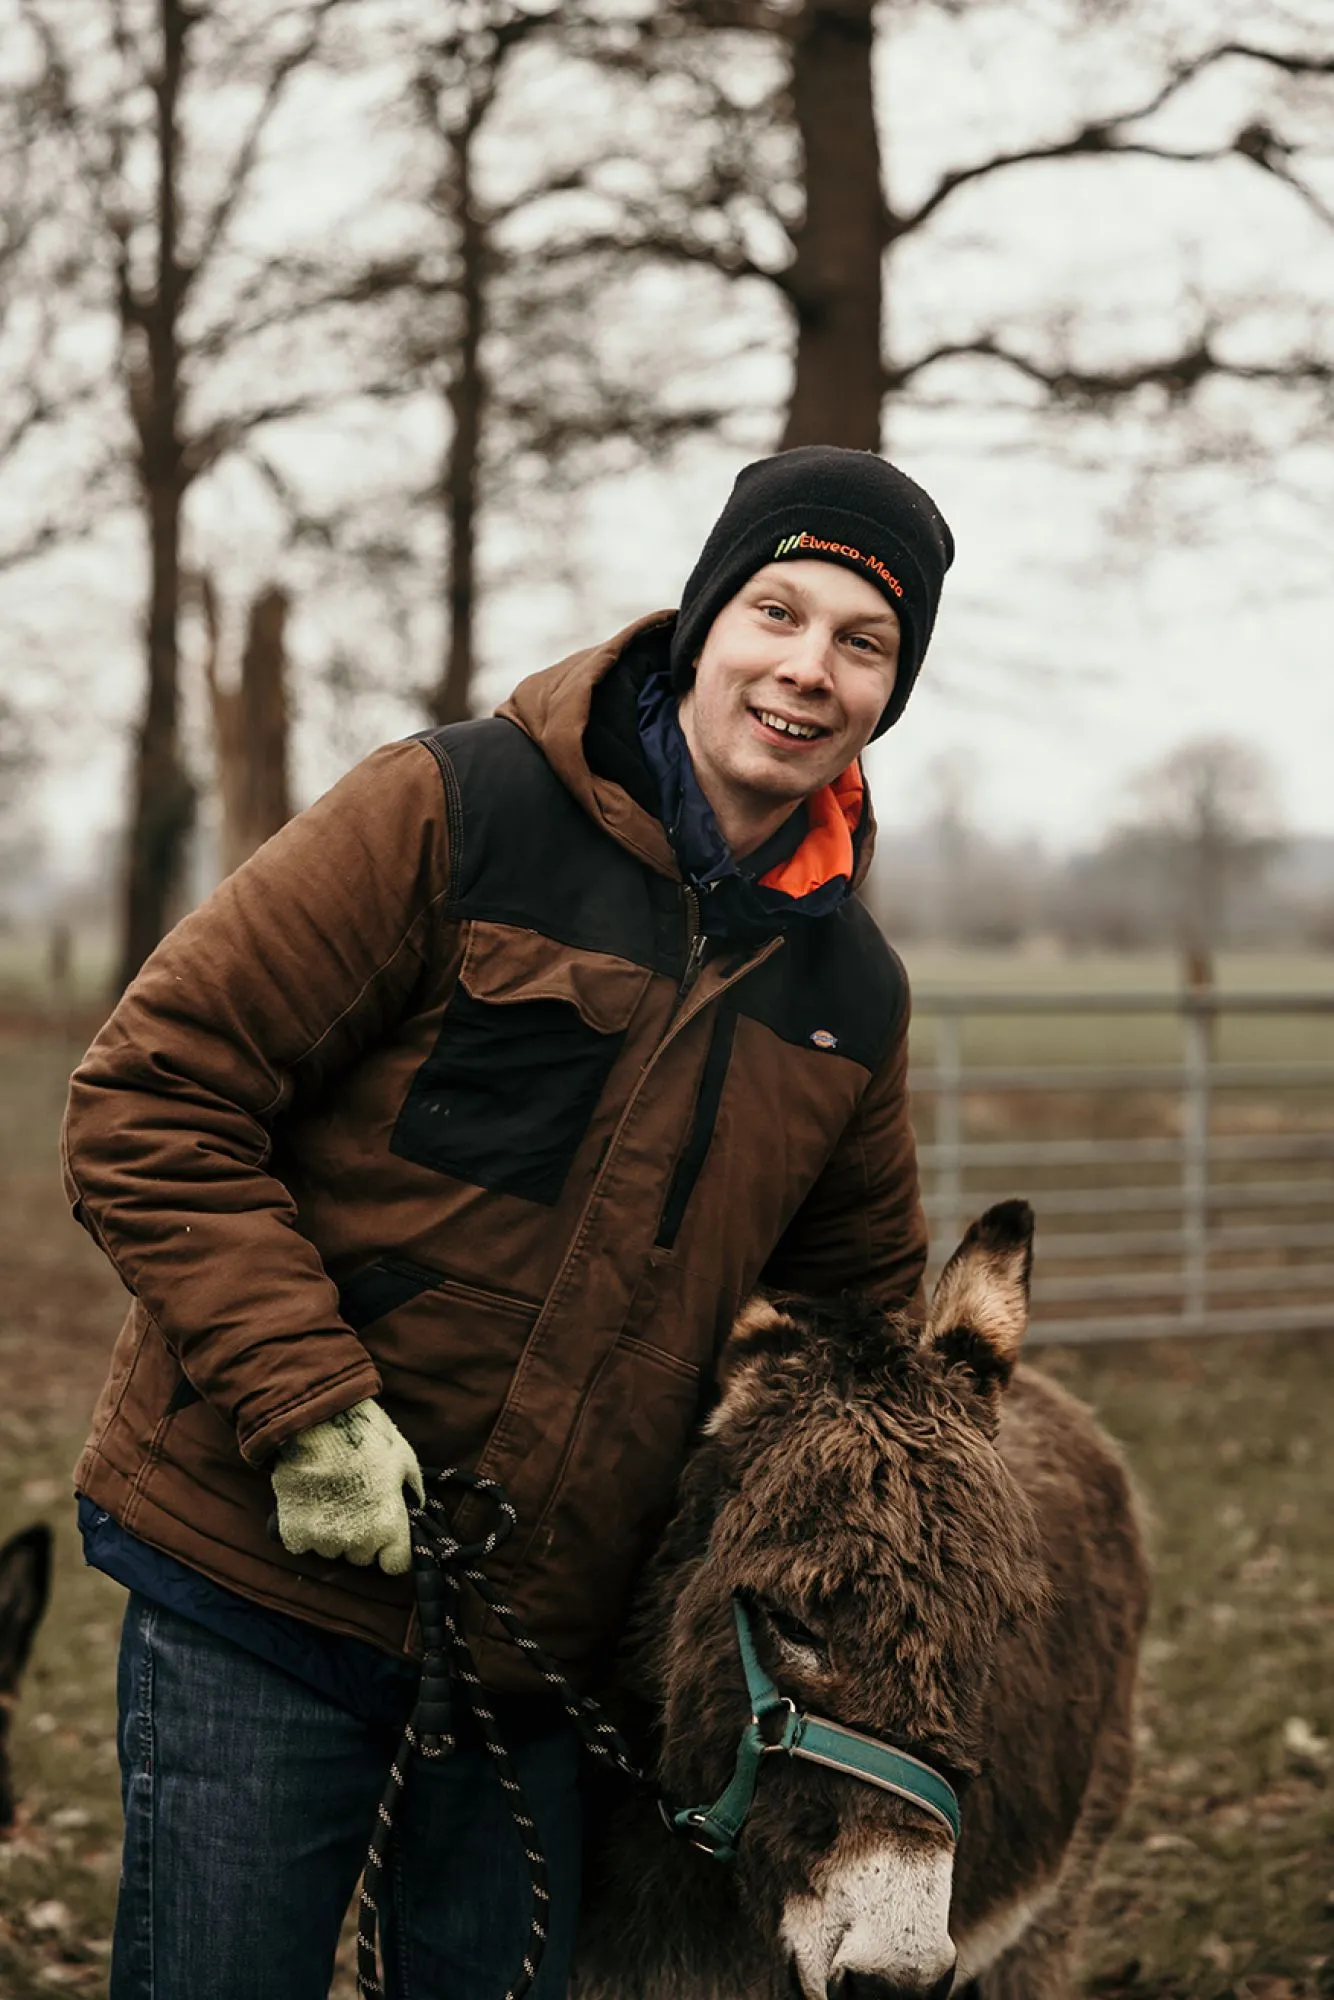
<point>835,814</point>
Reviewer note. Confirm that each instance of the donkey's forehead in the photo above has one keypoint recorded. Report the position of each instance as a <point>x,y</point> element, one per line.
<point>870,1483</point>
<point>783,1362</point>
<point>832,1497</point>
<point>836,1408</point>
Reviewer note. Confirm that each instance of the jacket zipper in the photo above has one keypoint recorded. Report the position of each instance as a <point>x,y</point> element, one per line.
<point>696,946</point>
<point>469,1512</point>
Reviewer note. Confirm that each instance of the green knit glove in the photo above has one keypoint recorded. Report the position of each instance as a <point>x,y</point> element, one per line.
<point>339,1488</point>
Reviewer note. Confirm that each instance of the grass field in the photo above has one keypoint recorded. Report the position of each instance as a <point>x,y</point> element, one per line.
<point>1222,1880</point>
<point>1117,1038</point>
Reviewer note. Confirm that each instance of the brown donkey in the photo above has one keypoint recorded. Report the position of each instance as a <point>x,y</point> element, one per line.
<point>25,1583</point>
<point>931,1548</point>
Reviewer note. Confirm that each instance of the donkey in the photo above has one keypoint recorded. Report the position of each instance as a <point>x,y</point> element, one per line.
<point>25,1584</point>
<point>928,1547</point>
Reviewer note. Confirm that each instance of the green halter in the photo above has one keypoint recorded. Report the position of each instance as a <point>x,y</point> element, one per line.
<point>717,1828</point>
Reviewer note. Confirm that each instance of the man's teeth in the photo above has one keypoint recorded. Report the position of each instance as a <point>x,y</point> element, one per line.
<point>805,730</point>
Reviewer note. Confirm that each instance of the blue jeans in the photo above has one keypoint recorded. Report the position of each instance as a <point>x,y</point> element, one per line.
<point>248,1806</point>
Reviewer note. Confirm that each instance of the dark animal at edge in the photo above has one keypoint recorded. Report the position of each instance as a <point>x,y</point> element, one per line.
<point>25,1585</point>
<point>938,1549</point>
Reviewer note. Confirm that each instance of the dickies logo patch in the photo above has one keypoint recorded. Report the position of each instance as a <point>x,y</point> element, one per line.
<point>823,1038</point>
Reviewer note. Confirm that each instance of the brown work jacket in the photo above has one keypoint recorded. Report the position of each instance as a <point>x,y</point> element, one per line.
<point>433,1100</point>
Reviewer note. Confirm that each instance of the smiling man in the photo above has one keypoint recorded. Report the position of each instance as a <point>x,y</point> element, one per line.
<point>793,678</point>
<point>452,1131</point>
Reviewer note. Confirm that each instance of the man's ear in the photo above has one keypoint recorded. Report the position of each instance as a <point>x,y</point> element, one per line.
<point>979,1309</point>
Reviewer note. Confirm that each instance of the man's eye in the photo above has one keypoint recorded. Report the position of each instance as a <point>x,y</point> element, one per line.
<point>776,611</point>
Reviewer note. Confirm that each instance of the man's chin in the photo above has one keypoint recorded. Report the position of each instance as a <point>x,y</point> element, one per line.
<point>776,782</point>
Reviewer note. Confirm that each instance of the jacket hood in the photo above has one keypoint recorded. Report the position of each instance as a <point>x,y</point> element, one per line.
<point>553,708</point>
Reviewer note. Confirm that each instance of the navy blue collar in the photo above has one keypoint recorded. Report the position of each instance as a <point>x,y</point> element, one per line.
<point>733,901</point>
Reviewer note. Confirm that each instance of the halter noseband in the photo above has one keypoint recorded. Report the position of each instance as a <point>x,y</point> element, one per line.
<point>717,1828</point>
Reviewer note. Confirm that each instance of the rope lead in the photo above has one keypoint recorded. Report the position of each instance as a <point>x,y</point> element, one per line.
<point>441,1566</point>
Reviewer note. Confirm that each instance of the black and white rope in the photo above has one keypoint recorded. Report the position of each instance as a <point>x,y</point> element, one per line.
<point>441,1565</point>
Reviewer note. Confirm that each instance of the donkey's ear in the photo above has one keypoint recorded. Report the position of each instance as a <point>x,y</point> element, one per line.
<point>760,1331</point>
<point>25,1584</point>
<point>979,1309</point>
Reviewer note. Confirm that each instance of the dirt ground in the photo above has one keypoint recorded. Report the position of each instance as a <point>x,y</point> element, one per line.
<point>1221,1882</point>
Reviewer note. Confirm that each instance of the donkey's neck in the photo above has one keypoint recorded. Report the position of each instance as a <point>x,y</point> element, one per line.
<point>664,1920</point>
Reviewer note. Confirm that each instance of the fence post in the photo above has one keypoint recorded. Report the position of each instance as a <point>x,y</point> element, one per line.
<point>1197,1031</point>
<point>949,1126</point>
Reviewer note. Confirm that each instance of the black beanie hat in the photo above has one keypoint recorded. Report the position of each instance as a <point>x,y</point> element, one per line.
<point>822,502</point>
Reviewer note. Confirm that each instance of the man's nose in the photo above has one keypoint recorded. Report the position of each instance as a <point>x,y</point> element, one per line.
<point>809,665</point>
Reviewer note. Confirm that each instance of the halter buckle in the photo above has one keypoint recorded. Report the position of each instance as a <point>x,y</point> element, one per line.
<point>784,1739</point>
<point>683,1823</point>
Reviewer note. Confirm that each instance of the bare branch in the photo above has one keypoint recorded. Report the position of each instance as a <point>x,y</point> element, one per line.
<point>99,173</point>
<point>44,407</point>
<point>1103,137</point>
<point>1178,375</point>
<point>653,239</point>
<point>62,530</point>
<point>375,282</point>
<point>219,218</point>
<point>215,441</point>
<point>1262,146</point>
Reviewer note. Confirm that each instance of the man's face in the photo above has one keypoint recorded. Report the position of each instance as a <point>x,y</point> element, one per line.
<point>792,679</point>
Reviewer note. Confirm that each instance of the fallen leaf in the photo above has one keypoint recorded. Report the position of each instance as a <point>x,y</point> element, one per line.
<point>48,1916</point>
<point>1303,1743</point>
<point>1216,1953</point>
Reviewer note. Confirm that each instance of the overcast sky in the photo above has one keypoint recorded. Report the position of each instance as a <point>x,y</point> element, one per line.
<point>1088,625</point>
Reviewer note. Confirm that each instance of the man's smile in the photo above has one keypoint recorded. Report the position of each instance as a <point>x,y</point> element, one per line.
<point>788,728</point>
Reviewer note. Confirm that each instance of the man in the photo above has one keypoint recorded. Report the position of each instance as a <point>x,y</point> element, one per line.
<point>452,1130</point>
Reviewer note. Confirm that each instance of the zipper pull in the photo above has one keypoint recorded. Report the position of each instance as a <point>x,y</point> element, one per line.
<point>696,943</point>
<point>694,960</point>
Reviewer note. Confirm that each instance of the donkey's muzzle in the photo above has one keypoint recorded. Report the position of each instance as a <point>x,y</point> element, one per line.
<point>873,1986</point>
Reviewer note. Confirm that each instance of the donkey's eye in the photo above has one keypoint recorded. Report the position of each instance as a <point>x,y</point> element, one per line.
<point>791,1632</point>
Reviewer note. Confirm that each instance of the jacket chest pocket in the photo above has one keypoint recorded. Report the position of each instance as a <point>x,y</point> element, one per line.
<point>524,1052</point>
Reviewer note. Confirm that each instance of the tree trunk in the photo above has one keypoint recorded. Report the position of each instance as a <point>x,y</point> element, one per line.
<point>834,283</point>
<point>163,797</point>
<point>266,799</point>
<point>466,399</point>
<point>162,803</point>
<point>250,728</point>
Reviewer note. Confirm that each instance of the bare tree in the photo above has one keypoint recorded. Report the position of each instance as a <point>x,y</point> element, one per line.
<point>250,723</point>
<point>44,382</point>
<point>834,234</point>
<point>1191,864</point>
<point>1208,827</point>
<point>158,238</point>
<point>502,309</point>
<point>749,150</point>
<point>455,79</point>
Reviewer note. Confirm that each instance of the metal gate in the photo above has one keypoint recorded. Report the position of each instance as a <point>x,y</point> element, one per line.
<point>1192,1195</point>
